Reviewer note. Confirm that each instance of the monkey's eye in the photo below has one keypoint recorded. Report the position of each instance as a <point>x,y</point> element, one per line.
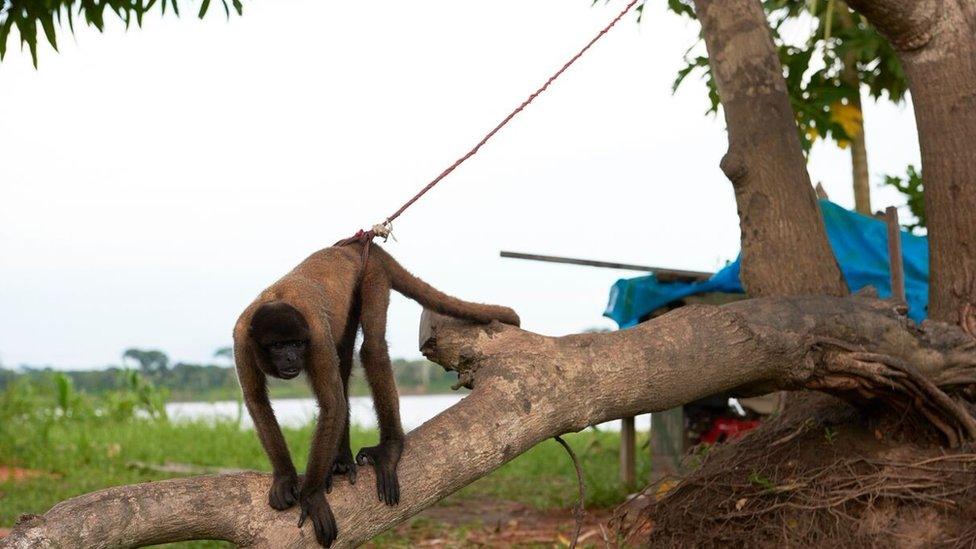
<point>279,345</point>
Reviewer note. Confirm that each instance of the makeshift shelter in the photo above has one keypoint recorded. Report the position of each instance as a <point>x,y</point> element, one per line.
<point>860,244</point>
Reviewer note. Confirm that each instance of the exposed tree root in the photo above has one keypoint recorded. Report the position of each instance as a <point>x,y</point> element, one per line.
<point>868,376</point>
<point>820,475</point>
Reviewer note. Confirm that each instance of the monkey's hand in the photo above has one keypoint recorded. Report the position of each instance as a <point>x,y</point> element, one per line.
<point>315,507</point>
<point>343,465</point>
<point>284,491</point>
<point>384,459</point>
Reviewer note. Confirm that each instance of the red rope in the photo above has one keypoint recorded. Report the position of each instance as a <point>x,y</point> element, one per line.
<point>367,236</point>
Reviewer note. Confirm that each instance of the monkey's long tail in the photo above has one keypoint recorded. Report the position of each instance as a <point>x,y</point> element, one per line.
<point>436,300</point>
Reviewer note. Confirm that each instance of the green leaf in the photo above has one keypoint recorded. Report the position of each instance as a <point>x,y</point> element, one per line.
<point>681,8</point>
<point>203,8</point>
<point>71,19</point>
<point>27,27</point>
<point>913,188</point>
<point>4,33</point>
<point>47,23</point>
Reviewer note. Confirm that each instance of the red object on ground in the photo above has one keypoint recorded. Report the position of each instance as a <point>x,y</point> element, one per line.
<point>724,428</point>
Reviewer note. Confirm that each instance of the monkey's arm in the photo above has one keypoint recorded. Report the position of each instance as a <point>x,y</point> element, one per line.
<point>326,382</point>
<point>284,488</point>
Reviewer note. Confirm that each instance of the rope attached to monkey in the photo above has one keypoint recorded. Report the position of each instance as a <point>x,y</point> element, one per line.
<point>385,229</point>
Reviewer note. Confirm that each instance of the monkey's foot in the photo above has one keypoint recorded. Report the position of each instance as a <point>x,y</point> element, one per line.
<point>384,459</point>
<point>315,507</point>
<point>284,492</point>
<point>343,465</point>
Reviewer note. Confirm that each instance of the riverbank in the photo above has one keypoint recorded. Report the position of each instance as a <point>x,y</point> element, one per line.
<point>210,382</point>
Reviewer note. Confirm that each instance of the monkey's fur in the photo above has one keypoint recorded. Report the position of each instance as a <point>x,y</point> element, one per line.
<point>307,321</point>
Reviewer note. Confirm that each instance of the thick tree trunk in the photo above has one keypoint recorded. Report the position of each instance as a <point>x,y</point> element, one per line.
<point>782,230</point>
<point>528,387</point>
<point>936,42</point>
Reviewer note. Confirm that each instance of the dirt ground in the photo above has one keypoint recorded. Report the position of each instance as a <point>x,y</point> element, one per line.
<point>494,523</point>
<point>16,474</point>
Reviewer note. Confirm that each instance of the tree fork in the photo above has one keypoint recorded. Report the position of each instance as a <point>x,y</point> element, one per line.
<point>528,388</point>
<point>782,230</point>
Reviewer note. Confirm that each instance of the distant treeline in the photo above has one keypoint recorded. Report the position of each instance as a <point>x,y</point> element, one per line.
<point>207,382</point>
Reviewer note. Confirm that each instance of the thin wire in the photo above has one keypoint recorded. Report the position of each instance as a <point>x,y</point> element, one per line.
<point>579,511</point>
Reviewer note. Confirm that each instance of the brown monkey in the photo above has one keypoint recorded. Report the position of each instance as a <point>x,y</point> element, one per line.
<point>307,321</point>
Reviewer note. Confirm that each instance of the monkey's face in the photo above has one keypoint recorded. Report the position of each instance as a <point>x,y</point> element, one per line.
<point>287,358</point>
<point>282,335</point>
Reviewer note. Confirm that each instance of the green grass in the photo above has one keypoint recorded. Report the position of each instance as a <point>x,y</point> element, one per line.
<point>88,454</point>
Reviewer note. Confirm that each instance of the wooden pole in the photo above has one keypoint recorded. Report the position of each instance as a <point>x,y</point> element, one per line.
<point>628,452</point>
<point>664,275</point>
<point>894,254</point>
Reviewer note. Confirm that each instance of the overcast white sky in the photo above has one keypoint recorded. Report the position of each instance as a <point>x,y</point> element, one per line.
<point>152,182</point>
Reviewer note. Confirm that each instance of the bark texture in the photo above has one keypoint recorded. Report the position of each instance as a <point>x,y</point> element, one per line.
<point>782,230</point>
<point>528,387</point>
<point>936,42</point>
<point>860,175</point>
<point>859,171</point>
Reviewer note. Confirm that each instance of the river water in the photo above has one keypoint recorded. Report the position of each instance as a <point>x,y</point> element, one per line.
<point>295,412</point>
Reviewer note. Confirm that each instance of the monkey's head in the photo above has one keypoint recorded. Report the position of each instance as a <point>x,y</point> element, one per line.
<point>282,336</point>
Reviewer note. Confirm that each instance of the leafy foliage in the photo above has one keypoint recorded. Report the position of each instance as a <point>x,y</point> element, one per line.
<point>52,397</point>
<point>29,15</point>
<point>911,186</point>
<point>823,72</point>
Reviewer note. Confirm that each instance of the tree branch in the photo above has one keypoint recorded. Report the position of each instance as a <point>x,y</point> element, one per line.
<point>527,388</point>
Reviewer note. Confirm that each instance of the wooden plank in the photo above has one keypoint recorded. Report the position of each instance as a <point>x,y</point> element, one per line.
<point>628,452</point>
<point>668,443</point>
<point>894,254</point>
<point>664,275</point>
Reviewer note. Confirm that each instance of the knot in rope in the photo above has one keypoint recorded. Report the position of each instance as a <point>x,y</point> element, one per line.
<point>383,230</point>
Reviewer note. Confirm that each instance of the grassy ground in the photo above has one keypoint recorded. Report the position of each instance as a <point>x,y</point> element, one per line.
<point>89,453</point>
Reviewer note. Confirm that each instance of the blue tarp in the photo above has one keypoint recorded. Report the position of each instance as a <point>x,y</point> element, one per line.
<point>860,244</point>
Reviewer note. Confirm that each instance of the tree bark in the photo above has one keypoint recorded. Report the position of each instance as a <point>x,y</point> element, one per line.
<point>936,42</point>
<point>859,171</point>
<point>860,175</point>
<point>528,387</point>
<point>782,230</point>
